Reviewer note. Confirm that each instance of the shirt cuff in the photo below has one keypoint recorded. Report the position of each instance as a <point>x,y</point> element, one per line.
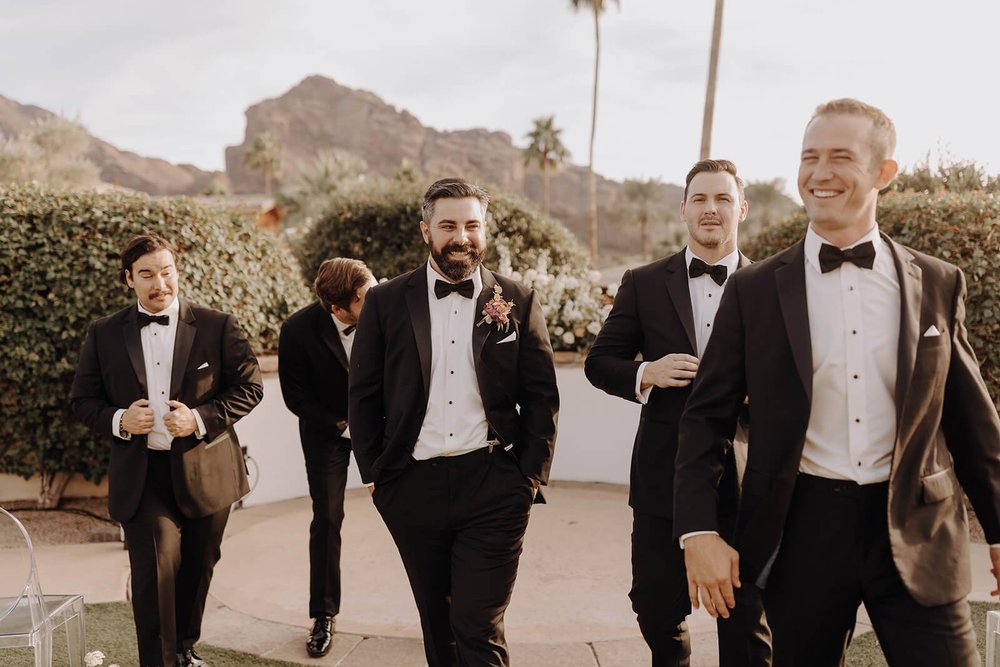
<point>642,395</point>
<point>346,433</point>
<point>200,431</point>
<point>697,532</point>
<point>115,421</point>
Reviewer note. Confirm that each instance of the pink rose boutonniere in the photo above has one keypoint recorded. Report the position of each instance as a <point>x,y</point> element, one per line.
<point>497,310</point>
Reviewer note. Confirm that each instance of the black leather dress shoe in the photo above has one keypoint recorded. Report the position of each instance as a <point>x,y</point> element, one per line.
<point>321,637</point>
<point>190,659</point>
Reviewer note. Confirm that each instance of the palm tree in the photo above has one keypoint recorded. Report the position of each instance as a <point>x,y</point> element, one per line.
<point>713,69</point>
<point>597,6</point>
<point>264,155</point>
<point>546,150</point>
<point>643,197</point>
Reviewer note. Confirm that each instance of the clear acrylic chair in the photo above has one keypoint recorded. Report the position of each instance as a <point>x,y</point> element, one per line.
<point>28,618</point>
<point>992,638</point>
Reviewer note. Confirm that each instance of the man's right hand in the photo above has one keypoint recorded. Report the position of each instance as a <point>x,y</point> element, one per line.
<point>713,569</point>
<point>672,370</point>
<point>138,418</point>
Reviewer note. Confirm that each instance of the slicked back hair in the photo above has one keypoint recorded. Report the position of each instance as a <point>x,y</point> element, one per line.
<point>451,188</point>
<point>138,246</point>
<point>714,167</point>
<point>338,281</point>
<point>883,139</point>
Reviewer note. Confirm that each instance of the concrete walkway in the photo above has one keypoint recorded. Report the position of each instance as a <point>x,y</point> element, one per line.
<point>570,604</point>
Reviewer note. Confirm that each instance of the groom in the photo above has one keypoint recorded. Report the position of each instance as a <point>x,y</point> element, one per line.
<point>453,407</point>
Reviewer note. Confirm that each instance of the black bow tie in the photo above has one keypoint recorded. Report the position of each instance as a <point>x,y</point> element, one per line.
<point>443,288</point>
<point>831,257</point>
<point>717,271</point>
<point>145,319</point>
<point>349,329</point>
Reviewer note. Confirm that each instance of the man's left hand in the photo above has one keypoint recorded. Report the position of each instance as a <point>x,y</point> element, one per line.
<point>995,558</point>
<point>534,487</point>
<point>180,421</point>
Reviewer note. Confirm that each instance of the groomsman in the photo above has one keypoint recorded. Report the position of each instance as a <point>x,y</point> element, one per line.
<point>452,408</point>
<point>314,352</point>
<point>648,351</point>
<point>869,417</point>
<point>165,380</point>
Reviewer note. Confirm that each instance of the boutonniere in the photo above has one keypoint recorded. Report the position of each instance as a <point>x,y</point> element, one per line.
<point>497,310</point>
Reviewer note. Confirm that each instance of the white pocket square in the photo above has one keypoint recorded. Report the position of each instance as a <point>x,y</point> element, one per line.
<point>204,365</point>
<point>512,337</point>
<point>931,332</point>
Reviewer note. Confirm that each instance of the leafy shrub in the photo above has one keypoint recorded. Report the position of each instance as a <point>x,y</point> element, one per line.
<point>380,225</point>
<point>961,228</point>
<point>58,272</point>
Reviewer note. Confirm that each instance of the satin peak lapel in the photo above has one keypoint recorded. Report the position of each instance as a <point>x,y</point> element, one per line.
<point>481,332</point>
<point>183,341</point>
<point>791,285</point>
<point>420,319</point>
<point>331,337</point>
<point>680,295</point>
<point>911,288</point>
<point>133,345</point>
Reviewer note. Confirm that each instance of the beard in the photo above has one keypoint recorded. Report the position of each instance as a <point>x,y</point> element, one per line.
<point>457,269</point>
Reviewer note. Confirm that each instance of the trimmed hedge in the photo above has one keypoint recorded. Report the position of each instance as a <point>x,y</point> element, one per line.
<point>58,273</point>
<point>961,228</point>
<point>380,225</point>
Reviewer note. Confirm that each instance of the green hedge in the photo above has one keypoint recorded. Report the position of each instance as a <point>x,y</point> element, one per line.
<point>380,225</point>
<point>58,272</point>
<point>962,228</point>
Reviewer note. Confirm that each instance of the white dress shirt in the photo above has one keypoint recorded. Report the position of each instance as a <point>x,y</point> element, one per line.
<point>854,333</point>
<point>348,342</point>
<point>158,358</point>
<point>455,422</point>
<point>705,297</point>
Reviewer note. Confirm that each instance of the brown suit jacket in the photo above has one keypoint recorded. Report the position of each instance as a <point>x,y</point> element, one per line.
<point>948,432</point>
<point>213,371</point>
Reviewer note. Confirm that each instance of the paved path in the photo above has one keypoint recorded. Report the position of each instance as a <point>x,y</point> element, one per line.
<point>570,604</point>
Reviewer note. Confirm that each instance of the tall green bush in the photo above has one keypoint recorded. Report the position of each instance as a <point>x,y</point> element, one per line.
<point>380,225</point>
<point>58,272</point>
<point>961,228</point>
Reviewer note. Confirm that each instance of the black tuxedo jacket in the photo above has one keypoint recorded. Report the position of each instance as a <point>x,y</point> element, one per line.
<point>391,372</point>
<point>213,371</point>
<point>312,368</point>
<point>652,317</point>
<point>948,433</point>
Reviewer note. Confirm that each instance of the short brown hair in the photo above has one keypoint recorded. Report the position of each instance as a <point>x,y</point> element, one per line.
<point>713,167</point>
<point>883,139</point>
<point>138,246</point>
<point>338,281</point>
<point>451,188</point>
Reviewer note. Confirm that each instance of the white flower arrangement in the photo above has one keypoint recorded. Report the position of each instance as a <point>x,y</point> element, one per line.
<point>571,298</point>
<point>96,659</point>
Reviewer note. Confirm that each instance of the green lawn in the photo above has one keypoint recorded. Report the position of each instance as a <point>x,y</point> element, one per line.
<point>865,651</point>
<point>111,631</point>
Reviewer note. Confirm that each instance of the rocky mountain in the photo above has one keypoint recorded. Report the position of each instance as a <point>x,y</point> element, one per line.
<point>124,168</point>
<point>319,114</point>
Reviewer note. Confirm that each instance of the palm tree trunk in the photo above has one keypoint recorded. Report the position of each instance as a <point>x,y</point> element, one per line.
<point>713,67</point>
<point>592,185</point>
<point>644,233</point>
<point>545,188</point>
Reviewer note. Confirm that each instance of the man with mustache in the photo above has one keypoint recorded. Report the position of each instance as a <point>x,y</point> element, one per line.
<point>868,418</point>
<point>452,408</point>
<point>164,380</point>
<point>664,313</point>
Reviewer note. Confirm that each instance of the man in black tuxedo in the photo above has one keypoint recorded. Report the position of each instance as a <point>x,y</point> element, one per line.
<point>165,380</point>
<point>313,357</point>
<point>664,313</point>
<point>868,417</point>
<point>453,406</point>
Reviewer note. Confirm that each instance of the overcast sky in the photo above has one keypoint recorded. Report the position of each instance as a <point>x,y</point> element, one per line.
<point>172,79</point>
